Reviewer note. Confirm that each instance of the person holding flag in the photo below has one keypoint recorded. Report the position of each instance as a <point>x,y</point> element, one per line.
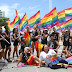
<point>8,46</point>
<point>16,37</point>
<point>2,47</point>
<point>35,36</point>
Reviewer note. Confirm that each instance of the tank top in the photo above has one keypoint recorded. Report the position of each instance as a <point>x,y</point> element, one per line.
<point>7,32</point>
<point>34,33</point>
<point>52,44</point>
<point>55,35</point>
<point>25,57</point>
<point>44,40</point>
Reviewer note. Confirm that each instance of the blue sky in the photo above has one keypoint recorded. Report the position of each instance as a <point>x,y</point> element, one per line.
<point>31,7</point>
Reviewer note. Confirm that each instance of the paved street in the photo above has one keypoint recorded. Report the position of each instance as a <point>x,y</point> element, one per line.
<point>32,68</point>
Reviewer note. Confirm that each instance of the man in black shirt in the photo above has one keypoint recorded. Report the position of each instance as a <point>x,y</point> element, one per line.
<point>53,43</point>
<point>44,36</point>
<point>55,34</point>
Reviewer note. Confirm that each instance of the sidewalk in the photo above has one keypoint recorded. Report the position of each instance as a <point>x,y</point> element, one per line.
<point>32,68</point>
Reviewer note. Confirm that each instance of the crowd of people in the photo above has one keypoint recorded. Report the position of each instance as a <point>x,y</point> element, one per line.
<point>49,39</point>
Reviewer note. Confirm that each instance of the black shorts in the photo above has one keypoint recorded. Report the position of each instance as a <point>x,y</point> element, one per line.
<point>3,44</point>
<point>65,43</point>
<point>34,40</point>
<point>15,43</point>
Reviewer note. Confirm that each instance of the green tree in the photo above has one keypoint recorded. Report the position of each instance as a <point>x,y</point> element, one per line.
<point>3,21</point>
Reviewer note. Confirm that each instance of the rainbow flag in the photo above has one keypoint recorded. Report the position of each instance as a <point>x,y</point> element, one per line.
<point>68,13</point>
<point>67,23</point>
<point>28,41</point>
<point>30,61</point>
<point>12,24</point>
<point>24,23</point>
<point>46,22</point>
<point>17,20</point>
<point>8,24</point>
<point>55,20</point>
<point>39,47</point>
<point>61,26</point>
<point>54,60</point>
<point>61,16</point>
<point>69,60</point>
<point>34,20</point>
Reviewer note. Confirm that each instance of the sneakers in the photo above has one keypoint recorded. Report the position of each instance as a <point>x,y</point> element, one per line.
<point>5,61</point>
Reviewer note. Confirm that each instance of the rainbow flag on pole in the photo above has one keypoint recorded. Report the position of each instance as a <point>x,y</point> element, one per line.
<point>17,20</point>
<point>24,23</point>
<point>46,22</point>
<point>61,16</point>
<point>67,23</point>
<point>8,24</point>
<point>68,13</point>
<point>55,20</point>
<point>62,26</point>
<point>34,20</point>
<point>12,24</point>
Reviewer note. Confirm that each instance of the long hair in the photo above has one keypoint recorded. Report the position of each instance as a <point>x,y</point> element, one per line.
<point>43,47</point>
<point>14,30</point>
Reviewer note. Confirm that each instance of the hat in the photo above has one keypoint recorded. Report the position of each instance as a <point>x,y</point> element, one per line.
<point>66,30</point>
<point>27,48</point>
<point>45,29</point>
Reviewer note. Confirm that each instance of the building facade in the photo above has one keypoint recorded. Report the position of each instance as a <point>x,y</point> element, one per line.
<point>2,13</point>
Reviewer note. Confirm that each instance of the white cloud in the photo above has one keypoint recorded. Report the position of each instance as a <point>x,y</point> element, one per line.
<point>10,10</point>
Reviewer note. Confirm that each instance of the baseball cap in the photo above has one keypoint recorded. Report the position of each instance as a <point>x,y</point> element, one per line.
<point>45,29</point>
<point>27,48</point>
<point>66,30</point>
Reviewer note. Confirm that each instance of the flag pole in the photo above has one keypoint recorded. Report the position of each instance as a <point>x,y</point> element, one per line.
<point>10,32</point>
<point>50,8</point>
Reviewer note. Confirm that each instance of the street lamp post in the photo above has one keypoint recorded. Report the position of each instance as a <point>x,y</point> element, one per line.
<point>50,8</point>
<point>50,5</point>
